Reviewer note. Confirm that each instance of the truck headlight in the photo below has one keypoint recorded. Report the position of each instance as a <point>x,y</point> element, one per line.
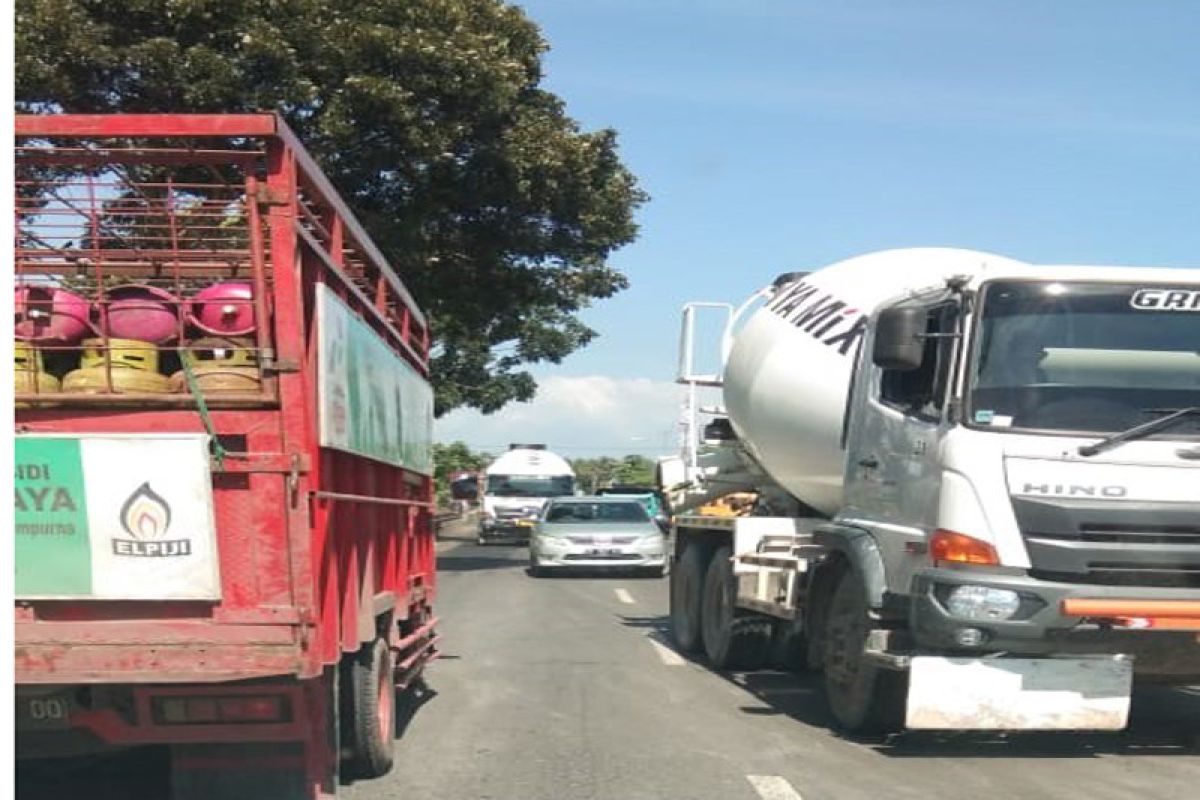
<point>983,603</point>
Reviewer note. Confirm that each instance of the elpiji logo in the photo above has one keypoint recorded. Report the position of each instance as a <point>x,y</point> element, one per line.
<point>146,517</point>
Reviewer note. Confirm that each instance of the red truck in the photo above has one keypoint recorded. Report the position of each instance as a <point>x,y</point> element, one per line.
<point>223,495</point>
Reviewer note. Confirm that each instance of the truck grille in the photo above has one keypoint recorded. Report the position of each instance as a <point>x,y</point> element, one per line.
<point>1139,534</point>
<point>1165,576</point>
<point>1112,544</point>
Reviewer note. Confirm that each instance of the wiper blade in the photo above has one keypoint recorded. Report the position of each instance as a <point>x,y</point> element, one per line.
<point>1172,416</point>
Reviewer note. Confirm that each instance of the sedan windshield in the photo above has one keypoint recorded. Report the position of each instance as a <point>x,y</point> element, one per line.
<point>565,513</point>
<point>1095,358</point>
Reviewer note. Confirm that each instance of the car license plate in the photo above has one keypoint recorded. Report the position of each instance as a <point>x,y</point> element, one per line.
<point>604,551</point>
<point>48,712</point>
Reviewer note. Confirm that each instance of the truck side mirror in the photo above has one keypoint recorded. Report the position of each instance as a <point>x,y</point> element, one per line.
<point>899,338</point>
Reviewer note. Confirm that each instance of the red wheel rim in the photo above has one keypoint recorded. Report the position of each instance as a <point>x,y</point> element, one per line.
<point>386,697</point>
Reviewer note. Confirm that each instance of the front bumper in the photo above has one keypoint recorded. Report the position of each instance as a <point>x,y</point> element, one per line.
<point>554,553</point>
<point>1041,629</point>
<point>505,530</point>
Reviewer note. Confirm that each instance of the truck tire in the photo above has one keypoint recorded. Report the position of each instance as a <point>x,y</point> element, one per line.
<point>687,583</point>
<point>863,697</point>
<point>790,648</point>
<point>372,710</point>
<point>733,639</point>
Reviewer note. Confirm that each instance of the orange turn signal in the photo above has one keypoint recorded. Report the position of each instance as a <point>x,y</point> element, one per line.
<point>958,548</point>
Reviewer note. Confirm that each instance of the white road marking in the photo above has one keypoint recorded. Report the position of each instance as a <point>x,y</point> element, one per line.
<point>668,656</point>
<point>624,596</point>
<point>773,787</point>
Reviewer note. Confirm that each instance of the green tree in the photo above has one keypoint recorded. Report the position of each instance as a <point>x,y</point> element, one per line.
<point>637,470</point>
<point>451,458</point>
<point>596,473</point>
<point>496,208</point>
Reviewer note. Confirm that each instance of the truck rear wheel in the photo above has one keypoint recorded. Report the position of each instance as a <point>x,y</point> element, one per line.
<point>864,697</point>
<point>733,639</point>
<point>372,710</point>
<point>687,583</point>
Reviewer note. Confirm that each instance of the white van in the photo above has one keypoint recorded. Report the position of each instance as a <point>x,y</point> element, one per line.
<point>516,486</point>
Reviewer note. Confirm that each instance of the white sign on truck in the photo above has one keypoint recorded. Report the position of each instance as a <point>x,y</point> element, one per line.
<point>118,517</point>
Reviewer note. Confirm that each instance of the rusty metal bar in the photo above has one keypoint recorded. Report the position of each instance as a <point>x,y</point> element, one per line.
<point>363,498</point>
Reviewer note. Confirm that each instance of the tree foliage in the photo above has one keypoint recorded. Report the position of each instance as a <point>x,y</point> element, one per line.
<point>457,457</point>
<point>595,473</point>
<point>451,458</point>
<point>497,209</point>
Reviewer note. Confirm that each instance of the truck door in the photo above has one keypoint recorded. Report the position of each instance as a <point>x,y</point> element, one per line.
<point>893,471</point>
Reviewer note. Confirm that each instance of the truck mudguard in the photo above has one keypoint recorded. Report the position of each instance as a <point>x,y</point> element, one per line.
<point>859,548</point>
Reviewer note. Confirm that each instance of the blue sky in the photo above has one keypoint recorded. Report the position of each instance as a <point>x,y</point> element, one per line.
<point>783,134</point>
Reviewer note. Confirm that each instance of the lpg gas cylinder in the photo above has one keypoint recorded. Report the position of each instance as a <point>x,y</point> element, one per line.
<point>30,377</point>
<point>221,365</point>
<point>145,313</point>
<point>131,365</point>
<point>46,313</point>
<point>224,309</point>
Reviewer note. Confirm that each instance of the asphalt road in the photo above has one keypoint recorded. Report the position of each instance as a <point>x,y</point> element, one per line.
<point>567,689</point>
<point>564,689</point>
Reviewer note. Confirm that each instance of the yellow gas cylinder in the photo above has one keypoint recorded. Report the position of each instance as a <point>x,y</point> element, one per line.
<point>221,365</point>
<point>134,369</point>
<point>30,377</point>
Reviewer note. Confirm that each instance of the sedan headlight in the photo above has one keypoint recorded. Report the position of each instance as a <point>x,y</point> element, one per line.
<point>983,603</point>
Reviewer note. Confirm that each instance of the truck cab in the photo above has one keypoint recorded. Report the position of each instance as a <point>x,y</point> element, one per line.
<point>516,486</point>
<point>1024,451</point>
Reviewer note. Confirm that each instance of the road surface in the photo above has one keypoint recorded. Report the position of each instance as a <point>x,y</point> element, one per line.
<point>568,689</point>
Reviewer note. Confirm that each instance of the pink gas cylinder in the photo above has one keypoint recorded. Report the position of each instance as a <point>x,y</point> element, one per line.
<point>225,309</point>
<point>144,313</point>
<point>47,314</point>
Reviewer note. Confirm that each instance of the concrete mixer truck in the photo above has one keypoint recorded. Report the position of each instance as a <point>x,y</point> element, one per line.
<point>978,487</point>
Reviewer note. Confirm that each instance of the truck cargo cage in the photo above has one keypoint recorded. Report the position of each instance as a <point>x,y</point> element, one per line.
<point>142,265</point>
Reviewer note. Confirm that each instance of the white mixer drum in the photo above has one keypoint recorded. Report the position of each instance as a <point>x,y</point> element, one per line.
<point>788,372</point>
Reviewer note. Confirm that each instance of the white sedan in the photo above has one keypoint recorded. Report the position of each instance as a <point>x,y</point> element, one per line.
<point>608,532</point>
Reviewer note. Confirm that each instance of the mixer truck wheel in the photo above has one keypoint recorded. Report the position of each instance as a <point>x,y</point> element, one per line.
<point>371,707</point>
<point>864,697</point>
<point>687,581</point>
<point>733,639</point>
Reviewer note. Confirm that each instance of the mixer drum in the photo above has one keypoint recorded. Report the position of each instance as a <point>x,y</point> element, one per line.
<point>788,373</point>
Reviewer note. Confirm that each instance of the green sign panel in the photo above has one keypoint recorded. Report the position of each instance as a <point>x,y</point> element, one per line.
<point>53,552</point>
<point>373,403</point>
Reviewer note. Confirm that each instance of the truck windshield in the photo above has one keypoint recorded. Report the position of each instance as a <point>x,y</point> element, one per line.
<point>1086,357</point>
<point>530,485</point>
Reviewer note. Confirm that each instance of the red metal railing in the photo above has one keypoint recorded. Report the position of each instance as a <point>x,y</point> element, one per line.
<point>132,217</point>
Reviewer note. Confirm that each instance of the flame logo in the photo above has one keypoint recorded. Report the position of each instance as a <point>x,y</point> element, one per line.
<point>145,515</point>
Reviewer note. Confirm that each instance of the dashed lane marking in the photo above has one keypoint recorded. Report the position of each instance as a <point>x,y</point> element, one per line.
<point>624,596</point>
<point>668,656</point>
<point>773,787</point>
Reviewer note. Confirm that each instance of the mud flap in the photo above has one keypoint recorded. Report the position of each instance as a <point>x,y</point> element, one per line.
<point>1031,694</point>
